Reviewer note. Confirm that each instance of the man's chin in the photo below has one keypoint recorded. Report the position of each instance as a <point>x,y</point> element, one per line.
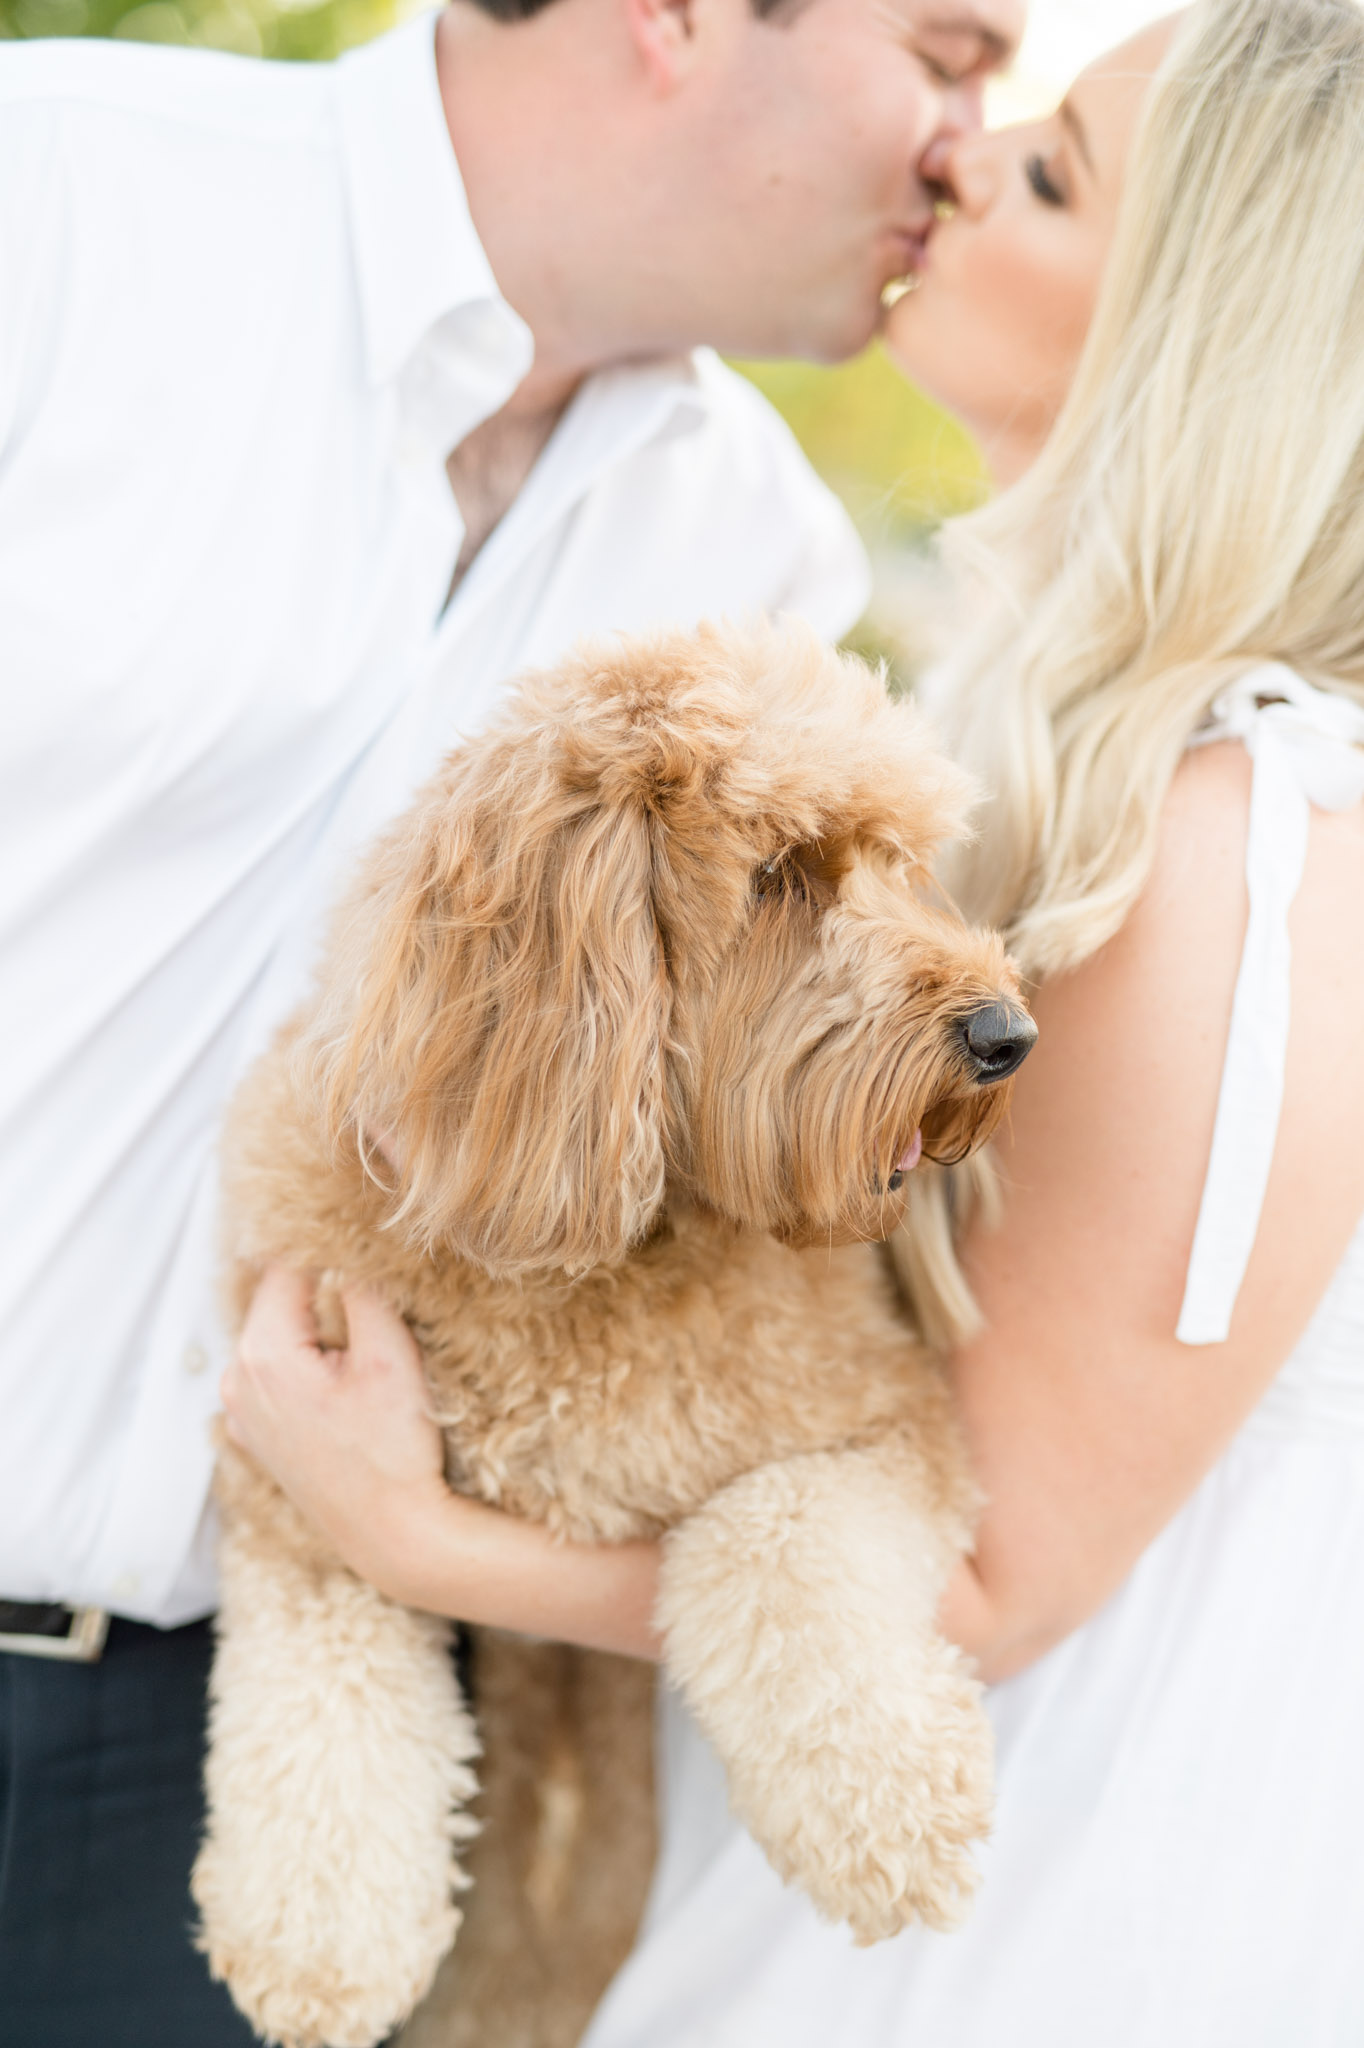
<point>829,329</point>
<point>838,341</point>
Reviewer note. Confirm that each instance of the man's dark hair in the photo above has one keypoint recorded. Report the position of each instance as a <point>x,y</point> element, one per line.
<point>512,10</point>
<point>522,10</point>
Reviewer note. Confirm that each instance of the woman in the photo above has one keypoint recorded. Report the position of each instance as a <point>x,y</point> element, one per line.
<point>1165,1395</point>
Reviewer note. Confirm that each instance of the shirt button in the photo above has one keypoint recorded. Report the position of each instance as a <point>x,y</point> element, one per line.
<point>194,1358</point>
<point>125,1586</point>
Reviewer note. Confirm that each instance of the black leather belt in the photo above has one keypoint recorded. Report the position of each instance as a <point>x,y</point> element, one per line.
<point>36,1629</point>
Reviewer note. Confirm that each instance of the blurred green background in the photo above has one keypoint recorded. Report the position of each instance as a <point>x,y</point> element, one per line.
<point>899,463</point>
<point>253,28</point>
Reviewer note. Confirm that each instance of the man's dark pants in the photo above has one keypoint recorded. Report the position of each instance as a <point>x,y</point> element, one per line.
<point>101,1806</point>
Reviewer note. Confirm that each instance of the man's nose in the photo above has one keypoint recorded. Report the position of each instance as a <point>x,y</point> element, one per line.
<point>964,169</point>
<point>962,116</point>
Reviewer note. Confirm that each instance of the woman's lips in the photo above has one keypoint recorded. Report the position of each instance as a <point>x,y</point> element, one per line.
<point>911,261</point>
<point>914,243</point>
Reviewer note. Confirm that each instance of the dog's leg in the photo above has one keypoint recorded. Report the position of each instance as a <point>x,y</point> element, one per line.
<point>798,1609</point>
<point>338,1763</point>
<point>563,1862</point>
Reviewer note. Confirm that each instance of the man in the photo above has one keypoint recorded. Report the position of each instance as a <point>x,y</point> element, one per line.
<point>329,399</point>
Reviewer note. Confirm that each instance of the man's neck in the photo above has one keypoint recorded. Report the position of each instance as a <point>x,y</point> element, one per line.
<point>543,188</point>
<point>511,95</point>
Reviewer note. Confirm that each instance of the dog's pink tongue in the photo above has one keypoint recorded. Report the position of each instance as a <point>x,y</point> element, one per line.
<point>911,1155</point>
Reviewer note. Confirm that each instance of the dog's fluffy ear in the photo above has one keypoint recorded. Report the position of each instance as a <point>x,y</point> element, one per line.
<point>496,1016</point>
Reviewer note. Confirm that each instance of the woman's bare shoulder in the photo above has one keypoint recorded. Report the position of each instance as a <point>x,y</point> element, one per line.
<point>1196,889</point>
<point>1120,1098</point>
<point>1207,812</point>
<point>1186,931</point>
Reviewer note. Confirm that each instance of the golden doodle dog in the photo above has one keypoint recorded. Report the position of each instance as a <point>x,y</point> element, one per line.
<point>653,1005</point>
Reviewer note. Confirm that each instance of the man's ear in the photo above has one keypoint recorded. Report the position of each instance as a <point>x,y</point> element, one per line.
<point>663,35</point>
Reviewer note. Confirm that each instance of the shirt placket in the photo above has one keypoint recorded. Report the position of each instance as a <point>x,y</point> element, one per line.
<point>609,420</point>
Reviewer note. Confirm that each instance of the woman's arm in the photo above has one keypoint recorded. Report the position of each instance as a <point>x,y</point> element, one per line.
<point>1088,1425</point>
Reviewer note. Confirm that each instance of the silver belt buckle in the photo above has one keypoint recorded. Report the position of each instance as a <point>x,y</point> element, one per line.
<point>82,1643</point>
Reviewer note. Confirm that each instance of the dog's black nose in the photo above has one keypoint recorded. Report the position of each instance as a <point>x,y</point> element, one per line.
<point>997,1039</point>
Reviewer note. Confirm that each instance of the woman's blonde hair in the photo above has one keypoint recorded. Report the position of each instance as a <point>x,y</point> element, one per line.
<point>1198,508</point>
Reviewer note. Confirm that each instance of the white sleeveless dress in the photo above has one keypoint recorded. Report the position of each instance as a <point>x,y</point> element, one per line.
<point>1178,1855</point>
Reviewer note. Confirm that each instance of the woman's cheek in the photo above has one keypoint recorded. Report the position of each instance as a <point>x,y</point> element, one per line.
<point>1044,301</point>
<point>972,333</point>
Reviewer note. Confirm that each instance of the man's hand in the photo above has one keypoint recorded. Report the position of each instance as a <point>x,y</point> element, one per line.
<point>347,1434</point>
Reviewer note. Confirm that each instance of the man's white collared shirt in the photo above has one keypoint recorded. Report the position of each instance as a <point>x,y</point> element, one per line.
<point>244,316</point>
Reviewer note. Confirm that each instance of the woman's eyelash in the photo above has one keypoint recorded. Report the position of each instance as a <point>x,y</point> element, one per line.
<point>1035,171</point>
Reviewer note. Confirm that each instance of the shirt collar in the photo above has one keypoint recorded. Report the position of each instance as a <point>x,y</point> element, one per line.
<point>418,256</point>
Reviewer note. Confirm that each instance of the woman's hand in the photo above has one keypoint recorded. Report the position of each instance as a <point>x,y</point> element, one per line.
<point>347,1434</point>
<point>350,1438</point>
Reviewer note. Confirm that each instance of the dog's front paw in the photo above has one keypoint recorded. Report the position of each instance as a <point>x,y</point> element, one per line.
<point>873,1808</point>
<point>339,1966</point>
<point>799,1612</point>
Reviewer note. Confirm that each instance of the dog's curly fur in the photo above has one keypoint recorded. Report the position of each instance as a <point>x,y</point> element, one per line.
<point>647,996</point>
